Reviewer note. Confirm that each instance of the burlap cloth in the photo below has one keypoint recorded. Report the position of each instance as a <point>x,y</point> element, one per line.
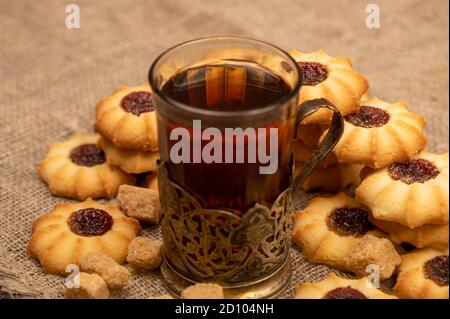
<point>53,76</point>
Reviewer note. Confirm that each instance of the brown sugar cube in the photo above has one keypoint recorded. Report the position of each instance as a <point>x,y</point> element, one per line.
<point>203,291</point>
<point>371,250</point>
<point>145,253</point>
<point>91,286</point>
<point>140,203</point>
<point>115,275</point>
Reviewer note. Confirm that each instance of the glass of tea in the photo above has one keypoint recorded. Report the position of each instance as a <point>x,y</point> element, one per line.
<point>227,116</point>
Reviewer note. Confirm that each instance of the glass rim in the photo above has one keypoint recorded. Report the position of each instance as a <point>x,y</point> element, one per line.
<point>218,113</point>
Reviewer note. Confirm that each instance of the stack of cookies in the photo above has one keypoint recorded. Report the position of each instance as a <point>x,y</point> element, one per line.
<point>90,166</point>
<point>126,122</point>
<point>93,166</point>
<point>402,190</point>
<point>402,193</point>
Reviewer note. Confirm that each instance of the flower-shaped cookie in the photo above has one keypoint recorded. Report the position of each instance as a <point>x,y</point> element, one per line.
<point>127,118</point>
<point>423,274</point>
<point>332,78</point>
<point>333,178</point>
<point>423,236</point>
<point>380,134</point>
<point>303,152</point>
<point>334,287</point>
<point>71,231</point>
<point>412,194</point>
<point>310,134</point>
<point>129,160</point>
<point>336,231</point>
<point>78,169</point>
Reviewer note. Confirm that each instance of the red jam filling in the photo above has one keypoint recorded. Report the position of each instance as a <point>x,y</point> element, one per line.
<point>349,221</point>
<point>368,117</point>
<point>436,269</point>
<point>87,155</point>
<point>90,222</point>
<point>313,73</point>
<point>138,102</point>
<point>345,293</point>
<point>415,171</point>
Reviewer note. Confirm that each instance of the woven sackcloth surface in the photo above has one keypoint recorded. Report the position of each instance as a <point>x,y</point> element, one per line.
<point>53,76</point>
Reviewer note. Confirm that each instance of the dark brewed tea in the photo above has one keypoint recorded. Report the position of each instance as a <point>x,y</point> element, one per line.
<point>221,184</point>
<point>226,87</point>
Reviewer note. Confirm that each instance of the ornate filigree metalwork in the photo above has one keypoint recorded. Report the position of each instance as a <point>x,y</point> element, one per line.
<point>203,244</point>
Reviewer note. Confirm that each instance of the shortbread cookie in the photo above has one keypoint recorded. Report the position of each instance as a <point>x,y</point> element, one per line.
<point>115,275</point>
<point>140,203</point>
<point>365,96</point>
<point>310,134</point>
<point>78,169</point>
<point>203,291</point>
<point>332,78</point>
<point>423,274</point>
<point>334,287</point>
<point>380,134</point>
<point>333,178</point>
<point>303,153</point>
<point>412,194</point>
<point>87,286</point>
<point>129,160</point>
<point>127,118</point>
<point>71,231</point>
<point>435,236</point>
<point>145,253</point>
<point>331,229</point>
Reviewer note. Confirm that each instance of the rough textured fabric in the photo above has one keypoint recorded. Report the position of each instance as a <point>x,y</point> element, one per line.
<point>53,76</point>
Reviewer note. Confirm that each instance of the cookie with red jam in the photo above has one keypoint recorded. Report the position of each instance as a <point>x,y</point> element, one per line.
<point>129,160</point>
<point>334,287</point>
<point>380,134</point>
<point>413,193</point>
<point>78,169</point>
<point>332,178</point>
<point>336,231</point>
<point>423,274</point>
<point>71,231</point>
<point>332,78</point>
<point>127,118</point>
